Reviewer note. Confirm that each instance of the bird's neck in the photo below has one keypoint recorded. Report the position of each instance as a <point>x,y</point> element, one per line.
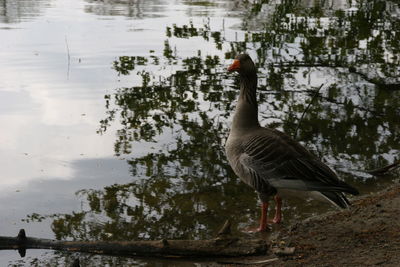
<point>246,114</point>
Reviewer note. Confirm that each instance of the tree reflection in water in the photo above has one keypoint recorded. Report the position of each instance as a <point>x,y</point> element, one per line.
<point>184,188</point>
<point>19,11</point>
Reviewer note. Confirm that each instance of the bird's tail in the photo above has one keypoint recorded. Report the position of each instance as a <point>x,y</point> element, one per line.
<point>348,188</point>
<point>337,198</point>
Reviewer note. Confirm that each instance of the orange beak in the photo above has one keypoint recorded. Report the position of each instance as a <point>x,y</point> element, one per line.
<point>235,66</point>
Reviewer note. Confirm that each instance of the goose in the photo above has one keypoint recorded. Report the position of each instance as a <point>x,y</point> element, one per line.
<point>270,161</point>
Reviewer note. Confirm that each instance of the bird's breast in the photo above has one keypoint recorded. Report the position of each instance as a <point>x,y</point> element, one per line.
<point>233,152</point>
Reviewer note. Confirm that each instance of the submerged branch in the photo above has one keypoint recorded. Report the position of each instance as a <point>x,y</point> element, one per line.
<point>385,169</point>
<point>306,109</point>
<point>379,82</point>
<point>218,247</point>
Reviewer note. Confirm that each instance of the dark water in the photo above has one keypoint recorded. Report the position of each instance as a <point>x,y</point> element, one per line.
<point>115,113</point>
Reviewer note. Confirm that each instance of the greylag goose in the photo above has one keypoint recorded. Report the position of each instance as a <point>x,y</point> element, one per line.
<point>270,161</point>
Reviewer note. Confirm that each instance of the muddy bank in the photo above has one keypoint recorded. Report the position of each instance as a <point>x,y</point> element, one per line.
<point>367,234</point>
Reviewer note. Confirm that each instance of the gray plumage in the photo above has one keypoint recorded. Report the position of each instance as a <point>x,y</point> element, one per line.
<point>269,160</point>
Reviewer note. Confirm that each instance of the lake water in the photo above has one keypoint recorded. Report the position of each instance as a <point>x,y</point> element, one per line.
<point>115,113</point>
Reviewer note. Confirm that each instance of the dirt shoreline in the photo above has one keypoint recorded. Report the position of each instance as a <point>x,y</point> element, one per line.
<point>368,234</point>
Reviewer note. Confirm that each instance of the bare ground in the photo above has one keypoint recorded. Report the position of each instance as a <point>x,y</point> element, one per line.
<point>368,234</point>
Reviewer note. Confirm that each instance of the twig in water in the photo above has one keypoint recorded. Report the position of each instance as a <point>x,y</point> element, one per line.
<point>248,262</point>
<point>68,56</point>
<point>305,111</point>
<point>387,168</point>
<point>226,229</point>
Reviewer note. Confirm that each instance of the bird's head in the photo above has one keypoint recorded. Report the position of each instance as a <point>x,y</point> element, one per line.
<point>243,65</point>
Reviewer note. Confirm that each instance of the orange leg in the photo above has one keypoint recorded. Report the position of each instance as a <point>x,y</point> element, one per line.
<point>278,209</point>
<point>263,222</point>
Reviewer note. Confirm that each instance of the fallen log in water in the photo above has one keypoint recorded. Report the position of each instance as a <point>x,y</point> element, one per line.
<point>218,247</point>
